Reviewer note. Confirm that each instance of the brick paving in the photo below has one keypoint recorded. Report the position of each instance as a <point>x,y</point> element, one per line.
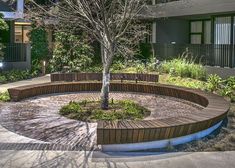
<point>38,118</point>
<point>37,146</point>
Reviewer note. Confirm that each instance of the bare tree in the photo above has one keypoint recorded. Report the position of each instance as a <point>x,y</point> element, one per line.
<point>113,23</point>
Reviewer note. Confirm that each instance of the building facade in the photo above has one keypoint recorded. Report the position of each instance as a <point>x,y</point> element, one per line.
<point>16,39</point>
<point>204,28</point>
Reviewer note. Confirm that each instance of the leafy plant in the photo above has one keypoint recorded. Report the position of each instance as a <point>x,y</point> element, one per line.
<point>16,75</point>
<point>90,110</point>
<point>184,67</point>
<point>3,26</point>
<point>3,79</point>
<point>71,51</point>
<point>39,43</point>
<point>214,83</point>
<point>228,88</point>
<point>4,97</point>
<point>184,82</point>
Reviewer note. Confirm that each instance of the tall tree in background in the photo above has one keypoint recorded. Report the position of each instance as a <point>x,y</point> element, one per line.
<point>113,23</point>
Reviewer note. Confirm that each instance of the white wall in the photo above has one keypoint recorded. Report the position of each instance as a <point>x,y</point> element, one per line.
<point>19,12</point>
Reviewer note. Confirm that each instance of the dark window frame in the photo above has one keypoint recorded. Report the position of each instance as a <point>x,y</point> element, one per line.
<point>203,30</point>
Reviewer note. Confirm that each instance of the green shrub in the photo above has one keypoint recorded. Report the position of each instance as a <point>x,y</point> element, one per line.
<point>214,83</point>
<point>39,43</point>
<point>129,67</point>
<point>228,88</point>
<point>185,82</point>
<point>184,68</point>
<point>117,66</point>
<point>132,110</point>
<point>72,107</point>
<point>4,97</point>
<point>71,51</point>
<point>3,79</point>
<point>90,110</point>
<point>16,75</point>
<point>225,88</point>
<point>3,26</point>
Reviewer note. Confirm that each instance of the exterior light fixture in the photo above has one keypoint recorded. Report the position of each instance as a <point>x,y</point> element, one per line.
<point>44,67</point>
<point>1,65</point>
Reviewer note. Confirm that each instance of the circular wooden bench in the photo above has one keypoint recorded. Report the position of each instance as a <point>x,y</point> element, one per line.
<point>130,132</point>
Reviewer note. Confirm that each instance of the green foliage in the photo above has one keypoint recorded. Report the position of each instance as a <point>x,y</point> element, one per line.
<point>4,97</point>
<point>228,88</point>
<point>2,47</point>
<point>225,88</point>
<point>129,67</point>
<point>184,82</point>
<point>96,68</point>
<point>39,43</point>
<point>16,75</point>
<point>214,83</point>
<point>90,110</point>
<point>71,51</point>
<point>3,26</point>
<point>184,68</point>
<point>74,110</point>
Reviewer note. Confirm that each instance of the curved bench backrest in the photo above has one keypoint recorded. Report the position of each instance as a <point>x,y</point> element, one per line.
<point>69,77</point>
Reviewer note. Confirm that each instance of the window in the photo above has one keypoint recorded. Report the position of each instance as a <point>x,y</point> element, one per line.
<point>223,30</point>
<point>22,32</point>
<point>200,32</point>
<point>207,32</point>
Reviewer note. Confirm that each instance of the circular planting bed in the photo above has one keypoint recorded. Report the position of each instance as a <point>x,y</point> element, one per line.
<point>91,111</point>
<point>196,115</point>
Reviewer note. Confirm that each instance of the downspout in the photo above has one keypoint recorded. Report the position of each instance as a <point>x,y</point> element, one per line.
<point>154,31</point>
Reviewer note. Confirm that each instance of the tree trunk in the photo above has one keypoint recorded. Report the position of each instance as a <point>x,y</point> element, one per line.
<point>107,57</point>
<point>105,90</point>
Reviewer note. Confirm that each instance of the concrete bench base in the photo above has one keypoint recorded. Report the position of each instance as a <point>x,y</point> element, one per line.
<point>159,144</point>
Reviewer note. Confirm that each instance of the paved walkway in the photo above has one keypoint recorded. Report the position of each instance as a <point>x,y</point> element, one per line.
<point>38,80</point>
<point>17,151</point>
<point>83,159</point>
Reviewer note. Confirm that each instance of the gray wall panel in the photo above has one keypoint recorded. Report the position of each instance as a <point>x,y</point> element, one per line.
<point>172,30</point>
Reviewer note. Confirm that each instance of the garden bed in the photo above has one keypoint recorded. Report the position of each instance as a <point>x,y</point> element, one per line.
<point>91,111</point>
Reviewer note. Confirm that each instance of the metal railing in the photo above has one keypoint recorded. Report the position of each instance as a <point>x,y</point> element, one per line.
<point>222,55</point>
<point>15,52</point>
